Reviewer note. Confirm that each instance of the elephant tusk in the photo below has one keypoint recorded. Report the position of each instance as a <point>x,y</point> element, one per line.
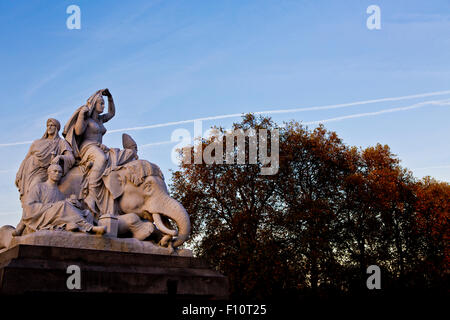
<point>165,240</point>
<point>160,225</point>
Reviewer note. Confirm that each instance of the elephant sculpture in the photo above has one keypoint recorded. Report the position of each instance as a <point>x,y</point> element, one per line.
<point>140,193</point>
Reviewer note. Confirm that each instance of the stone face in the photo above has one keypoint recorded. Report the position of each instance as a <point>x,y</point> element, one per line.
<point>87,241</point>
<point>43,269</point>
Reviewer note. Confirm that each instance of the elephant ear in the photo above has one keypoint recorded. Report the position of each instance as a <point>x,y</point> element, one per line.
<point>114,183</point>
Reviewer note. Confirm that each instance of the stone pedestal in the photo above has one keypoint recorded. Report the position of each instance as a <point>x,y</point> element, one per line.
<point>44,269</point>
<point>81,240</point>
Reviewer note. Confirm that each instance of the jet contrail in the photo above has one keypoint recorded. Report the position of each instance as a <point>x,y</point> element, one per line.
<point>343,105</point>
<point>10,213</point>
<point>234,115</point>
<point>15,143</point>
<point>7,171</point>
<point>367,114</point>
<point>433,167</point>
<point>327,107</point>
<point>443,102</point>
<point>155,144</point>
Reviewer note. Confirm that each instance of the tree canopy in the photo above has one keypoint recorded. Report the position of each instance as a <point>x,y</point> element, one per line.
<point>315,226</point>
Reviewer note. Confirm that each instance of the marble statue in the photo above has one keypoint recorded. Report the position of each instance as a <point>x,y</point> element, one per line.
<point>77,183</point>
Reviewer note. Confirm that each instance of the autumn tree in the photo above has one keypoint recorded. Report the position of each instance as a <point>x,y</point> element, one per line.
<point>432,228</point>
<point>312,167</point>
<point>230,208</point>
<point>314,227</point>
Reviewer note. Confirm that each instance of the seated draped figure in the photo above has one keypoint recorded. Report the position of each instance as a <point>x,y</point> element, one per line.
<point>46,208</point>
<point>51,148</point>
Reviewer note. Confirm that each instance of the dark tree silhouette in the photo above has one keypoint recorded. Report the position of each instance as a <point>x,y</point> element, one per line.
<point>313,228</point>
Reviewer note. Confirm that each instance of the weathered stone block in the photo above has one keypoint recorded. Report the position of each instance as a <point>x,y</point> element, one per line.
<point>88,241</point>
<point>43,269</point>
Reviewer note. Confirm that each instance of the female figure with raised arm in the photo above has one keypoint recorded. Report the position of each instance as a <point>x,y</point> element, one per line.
<point>84,131</point>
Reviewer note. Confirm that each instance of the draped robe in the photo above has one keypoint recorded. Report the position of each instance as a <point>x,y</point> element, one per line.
<point>45,208</point>
<point>105,202</point>
<point>33,168</point>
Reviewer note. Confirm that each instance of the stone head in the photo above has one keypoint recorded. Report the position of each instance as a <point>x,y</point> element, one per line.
<point>99,104</point>
<point>54,172</point>
<point>53,127</point>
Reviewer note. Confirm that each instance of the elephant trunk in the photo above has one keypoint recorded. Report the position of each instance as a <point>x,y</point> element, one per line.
<point>172,209</point>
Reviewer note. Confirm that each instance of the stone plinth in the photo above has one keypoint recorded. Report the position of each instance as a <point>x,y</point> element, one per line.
<point>43,269</point>
<point>87,241</point>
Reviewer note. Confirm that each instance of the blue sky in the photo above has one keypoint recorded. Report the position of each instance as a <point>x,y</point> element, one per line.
<point>177,60</point>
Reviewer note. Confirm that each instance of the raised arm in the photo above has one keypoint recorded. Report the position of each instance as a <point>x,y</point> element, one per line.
<point>111,107</point>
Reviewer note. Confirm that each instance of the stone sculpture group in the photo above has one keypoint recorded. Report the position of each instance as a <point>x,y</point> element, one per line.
<point>74,183</point>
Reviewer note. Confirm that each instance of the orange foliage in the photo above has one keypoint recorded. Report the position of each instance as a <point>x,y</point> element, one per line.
<point>315,226</point>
